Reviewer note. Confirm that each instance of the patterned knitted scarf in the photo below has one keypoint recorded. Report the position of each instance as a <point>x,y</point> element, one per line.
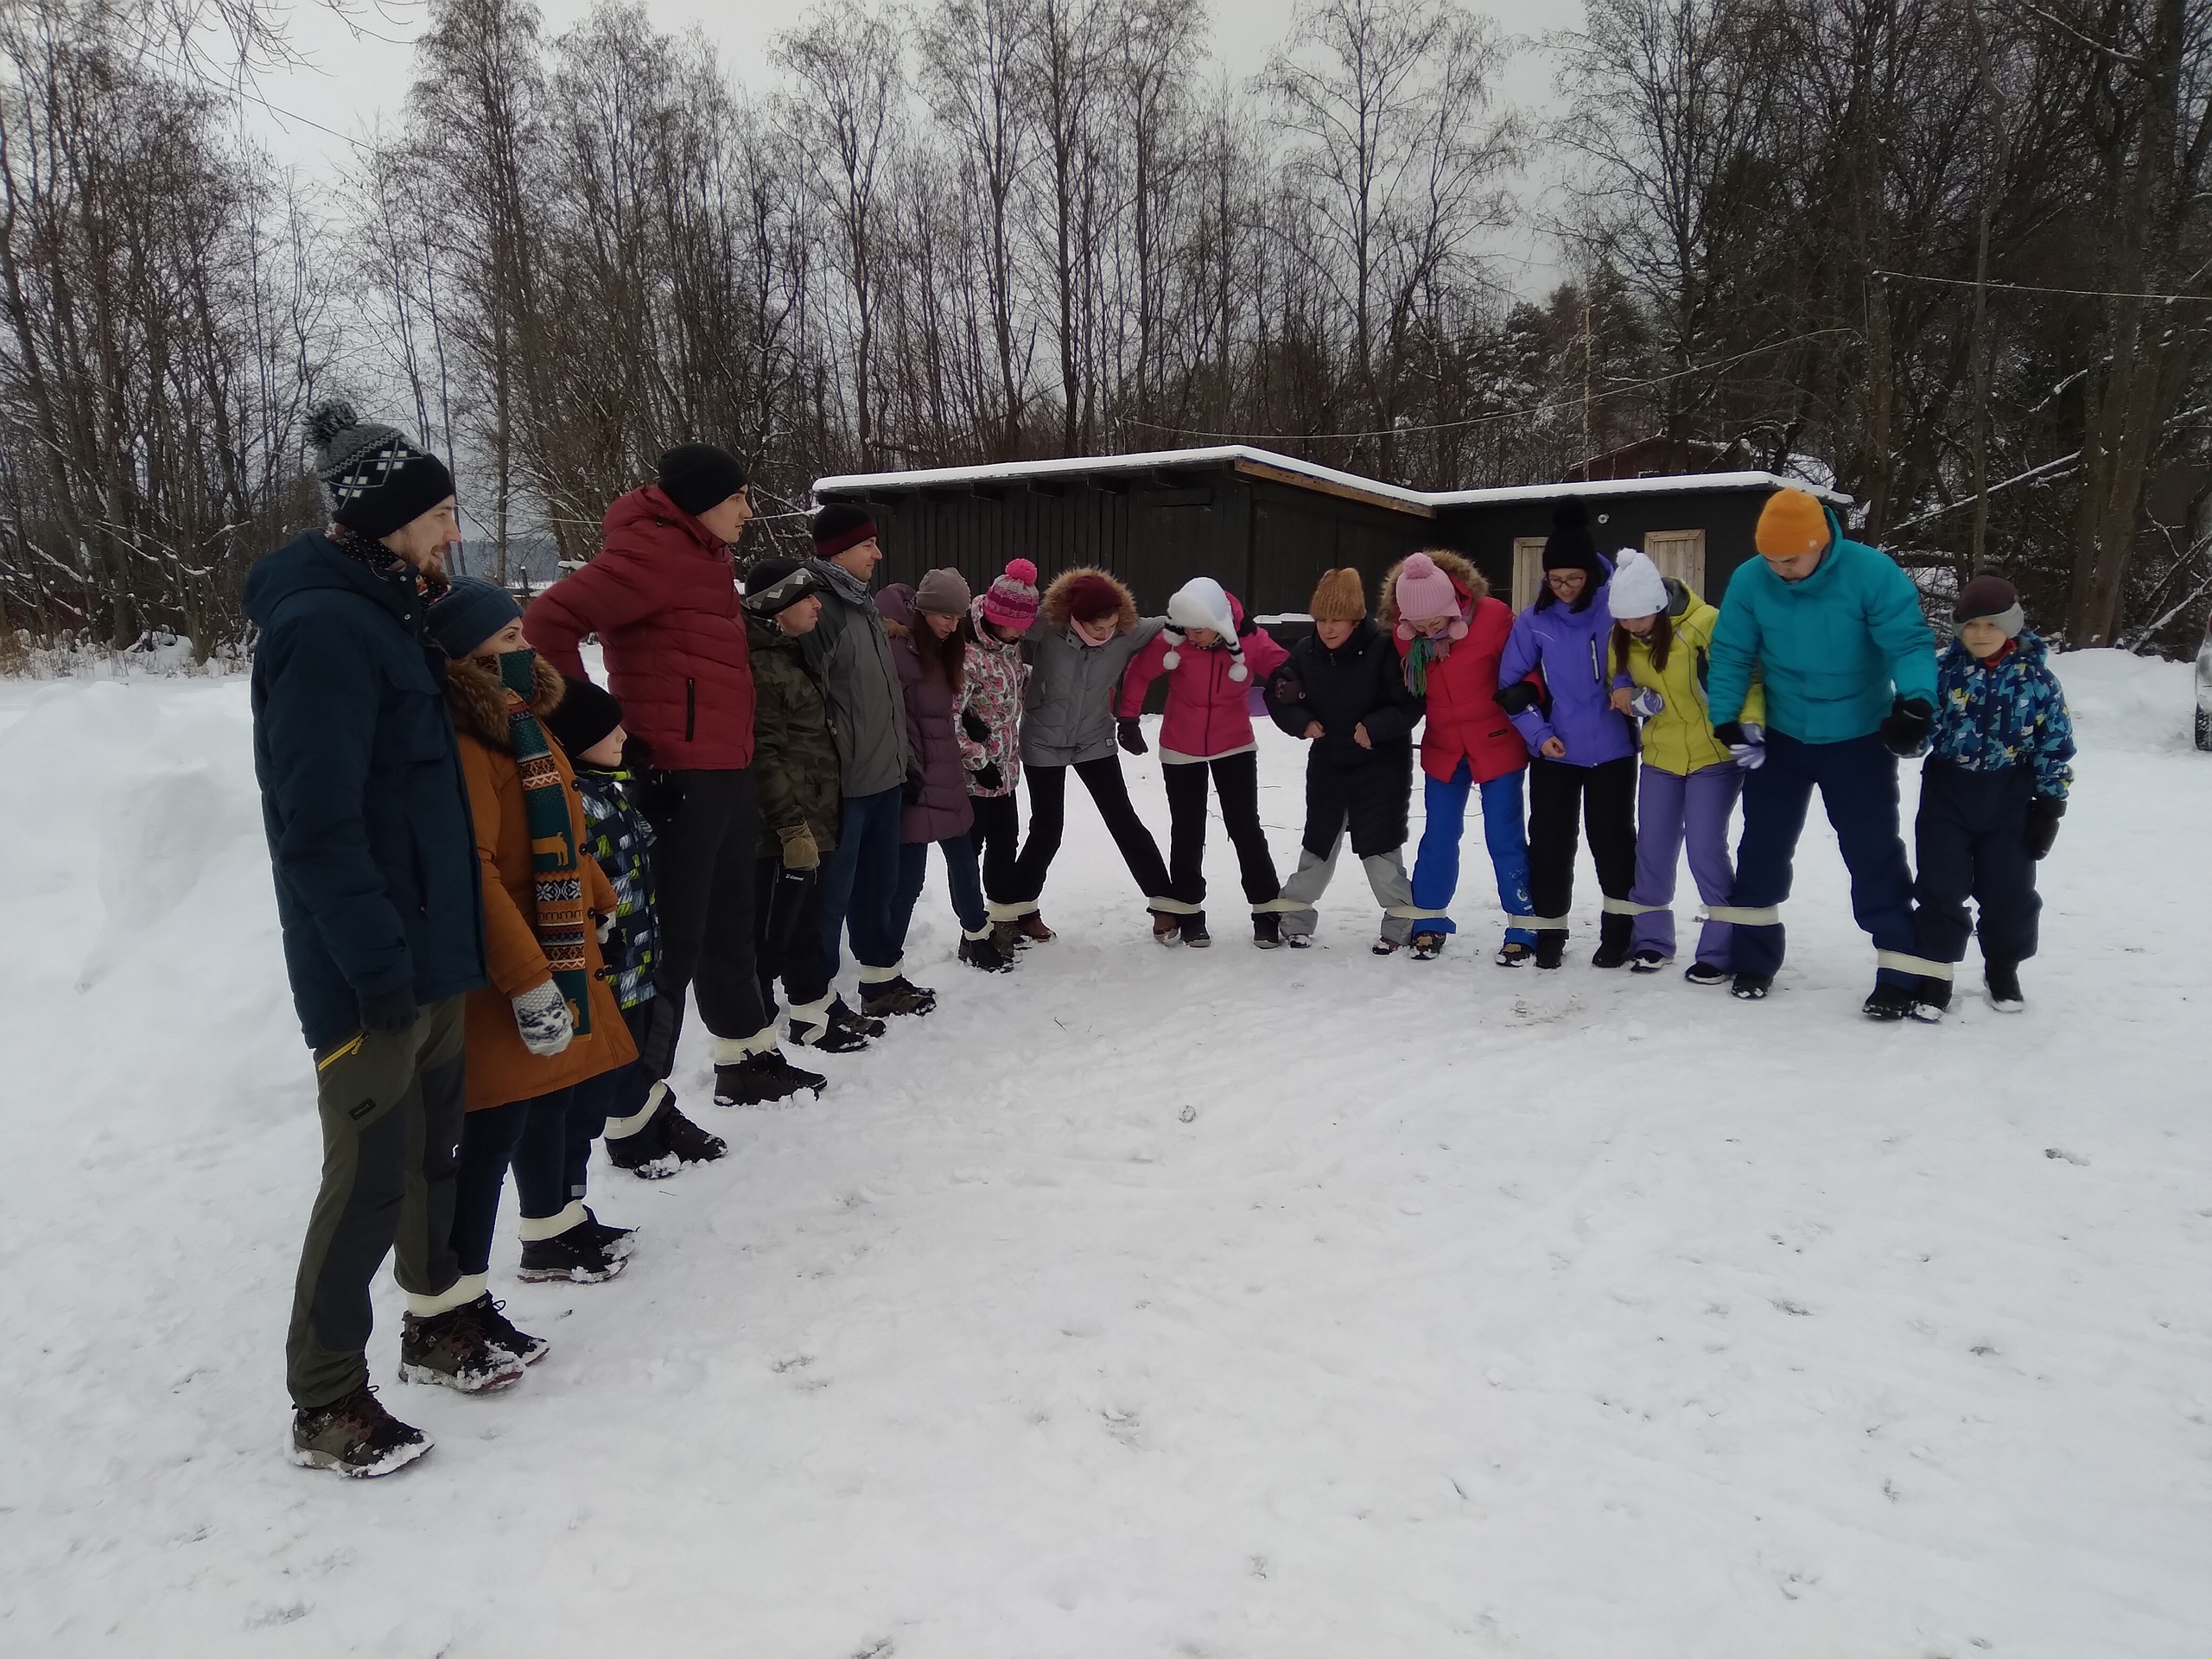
<point>1423,653</point>
<point>555,864</point>
<point>380,561</point>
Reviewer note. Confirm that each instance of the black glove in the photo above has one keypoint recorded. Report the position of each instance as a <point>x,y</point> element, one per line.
<point>987,776</point>
<point>1288,688</point>
<point>1730,734</point>
<point>1517,698</point>
<point>911,790</point>
<point>2043,813</point>
<point>392,1012</point>
<point>657,1044</point>
<point>1906,729</point>
<point>972,724</point>
<point>1131,736</point>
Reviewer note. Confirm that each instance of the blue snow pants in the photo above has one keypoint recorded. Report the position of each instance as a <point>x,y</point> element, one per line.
<point>1506,832</point>
<point>1858,781</point>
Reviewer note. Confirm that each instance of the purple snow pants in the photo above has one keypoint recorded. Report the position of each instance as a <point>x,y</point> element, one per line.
<point>1670,808</point>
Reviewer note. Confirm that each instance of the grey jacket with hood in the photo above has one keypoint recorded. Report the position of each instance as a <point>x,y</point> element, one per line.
<point>1069,716</point>
<point>850,653</point>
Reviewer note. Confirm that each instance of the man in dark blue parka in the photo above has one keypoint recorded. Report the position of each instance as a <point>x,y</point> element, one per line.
<point>377,893</point>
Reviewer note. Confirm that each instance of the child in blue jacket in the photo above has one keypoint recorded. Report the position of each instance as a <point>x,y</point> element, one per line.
<point>1990,796</point>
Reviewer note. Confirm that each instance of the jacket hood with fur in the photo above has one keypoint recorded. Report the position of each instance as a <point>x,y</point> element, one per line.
<point>479,700</point>
<point>1055,607</point>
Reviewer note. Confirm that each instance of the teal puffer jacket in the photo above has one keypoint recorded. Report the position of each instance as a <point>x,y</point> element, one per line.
<point>1832,650</point>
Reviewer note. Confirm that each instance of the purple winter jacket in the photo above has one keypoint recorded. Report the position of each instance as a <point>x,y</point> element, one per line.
<point>943,812</point>
<point>1569,646</point>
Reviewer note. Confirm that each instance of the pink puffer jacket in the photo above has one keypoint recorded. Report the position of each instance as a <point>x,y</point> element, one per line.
<point>1209,709</point>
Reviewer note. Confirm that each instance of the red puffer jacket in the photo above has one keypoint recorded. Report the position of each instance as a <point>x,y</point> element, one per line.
<point>662,597</point>
<point>1463,720</point>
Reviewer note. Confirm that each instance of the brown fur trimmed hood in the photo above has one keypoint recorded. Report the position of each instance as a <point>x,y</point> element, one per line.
<point>1470,582</point>
<point>478,701</point>
<point>1055,606</point>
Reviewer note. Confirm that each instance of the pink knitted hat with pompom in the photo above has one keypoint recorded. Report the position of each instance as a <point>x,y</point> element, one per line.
<point>1011,601</point>
<point>1424,591</point>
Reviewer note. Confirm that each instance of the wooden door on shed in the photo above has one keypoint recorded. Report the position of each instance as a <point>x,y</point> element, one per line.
<point>1679,554</point>
<point>1528,570</point>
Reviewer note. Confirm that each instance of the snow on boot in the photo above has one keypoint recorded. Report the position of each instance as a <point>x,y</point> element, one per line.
<point>815,1025</point>
<point>2002,981</point>
<point>766,1079</point>
<point>1551,947</point>
<point>500,1333</point>
<point>1033,929</point>
<point>619,1242</point>
<point>646,1153</point>
<point>1006,937</point>
<point>1194,931</point>
<point>1385,946</point>
<point>453,1349</point>
<point>574,1256</point>
<point>1648,961</point>
<point>1428,946</point>
<point>843,1017</point>
<point>897,995</point>
<point>1705,973</point>
<point>981,953</point>
<point>1930,998</point>
<point>1613,934</point>
<point>687,1143</point>
<point>355,1436</point>
<point>1752,988</point>
<point>1887,1003</point>
<point>1514,954</point>
<point>1267,931</point>
<point>1167,928</point>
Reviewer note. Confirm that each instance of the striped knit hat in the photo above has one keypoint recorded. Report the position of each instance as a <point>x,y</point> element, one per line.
<point>1011,601</point>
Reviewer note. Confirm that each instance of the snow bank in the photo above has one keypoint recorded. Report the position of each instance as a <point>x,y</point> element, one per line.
<point>1471,1311</point>
<point>2121,701</point>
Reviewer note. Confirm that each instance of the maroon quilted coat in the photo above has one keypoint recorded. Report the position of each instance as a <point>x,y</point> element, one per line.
<point>662,597</point>
<point>943,812</point>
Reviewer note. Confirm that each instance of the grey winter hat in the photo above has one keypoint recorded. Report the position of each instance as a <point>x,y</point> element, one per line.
<point>1989,598</point>
<point>375,479</point>
<point>942,592</point>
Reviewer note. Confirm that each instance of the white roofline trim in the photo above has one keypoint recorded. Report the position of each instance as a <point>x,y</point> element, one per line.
<point>1230,454</point>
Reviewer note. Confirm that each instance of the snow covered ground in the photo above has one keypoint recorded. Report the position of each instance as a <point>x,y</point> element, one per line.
<point>1470,1311</point>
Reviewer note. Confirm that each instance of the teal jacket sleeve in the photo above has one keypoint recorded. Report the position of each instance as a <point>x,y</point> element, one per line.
<point>1901,632</point>
<point>1735,652</point>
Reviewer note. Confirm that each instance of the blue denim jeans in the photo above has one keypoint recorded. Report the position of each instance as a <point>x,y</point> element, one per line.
<point>859,881</point>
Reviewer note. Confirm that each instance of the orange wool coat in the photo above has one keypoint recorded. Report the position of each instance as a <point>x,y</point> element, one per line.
<point>500,1069</point>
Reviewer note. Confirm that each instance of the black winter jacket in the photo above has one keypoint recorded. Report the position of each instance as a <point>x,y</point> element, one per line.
<point>361,791</point>
<point>1360,684</point>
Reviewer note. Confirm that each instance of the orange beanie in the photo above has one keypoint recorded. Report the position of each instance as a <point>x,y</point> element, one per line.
<point>1339,596</point>
<point>1793,523</point>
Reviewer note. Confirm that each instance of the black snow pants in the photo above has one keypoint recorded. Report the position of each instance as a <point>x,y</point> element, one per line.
<point>1237,782</point>
<point>1606,795</point>
<point>1971,841</point>
<point>710,842</point>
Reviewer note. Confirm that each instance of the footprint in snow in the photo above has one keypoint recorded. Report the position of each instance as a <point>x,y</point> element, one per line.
<point>2070,1157</point>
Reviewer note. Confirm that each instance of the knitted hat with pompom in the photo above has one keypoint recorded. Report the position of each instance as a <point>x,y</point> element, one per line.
<point>376,480</point>
<point>1011,601</point>
<point>1424,593</point>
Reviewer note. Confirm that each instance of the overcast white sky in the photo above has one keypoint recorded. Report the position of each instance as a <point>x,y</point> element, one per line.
<point>350,81</point>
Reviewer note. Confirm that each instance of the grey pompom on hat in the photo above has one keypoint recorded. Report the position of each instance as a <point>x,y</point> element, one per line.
<point>374,478</point>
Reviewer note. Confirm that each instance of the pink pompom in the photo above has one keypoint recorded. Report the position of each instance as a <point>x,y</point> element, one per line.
<point>1022,571</point>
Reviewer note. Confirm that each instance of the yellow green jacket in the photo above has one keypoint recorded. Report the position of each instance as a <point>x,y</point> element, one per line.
<point>1679,738</point>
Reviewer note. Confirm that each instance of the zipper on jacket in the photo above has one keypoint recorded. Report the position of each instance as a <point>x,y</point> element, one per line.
<point>690,707</point>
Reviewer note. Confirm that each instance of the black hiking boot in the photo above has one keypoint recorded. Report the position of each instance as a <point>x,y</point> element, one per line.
<point>897,995</point>
<point>1930,998</point>
<point>827,1034</point>
<point>981,953</point>
<point>845,1019</point>
<point>1705,973</point>
<point>1551,947</point>
<point>355,1436</point>
<point>575,1256</point>
<point>2002,981</point>
<point>1887,1003</point>
<point>453,1349</point>
<point>766,1079</point>
<point>1649,960</point>
<point>500,1333</point>
<point>1194,931</point>
<point>1752,988</point>
<point>685,1140</point>
<point>646,1154</point>
<point>619,1242</point>
<point>1614,934</point>
<point>1267,931</point>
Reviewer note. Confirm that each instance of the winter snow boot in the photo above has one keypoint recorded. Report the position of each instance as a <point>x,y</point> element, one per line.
<point>1194,931</point>
<point>1705,973</point>
<point>355,1436</point>
<point>1613,934</point>
<point>981,953</point>
<point>576,1256</point>
<point>844,1019</point>
<point>500,1333</point>
<point>897,995</point>
<point>1006,937</point>
<point>1647,961</point>
<point>1033,929</point>
<point>647,1153</point>
<point>453,1349</point>
<point>1305,942</point>
<point>825,1033</point>
<point>1513,953</point>
<point>1428,946</point>
<point>1267,929</point>
<point>619,1242</point>
<point>1886,1003</point>
<point>1166,928</point>
<point>1385,946</point>
<point>2002,981</point>
<point>1551,947</point>
<point>766,1079</point>
<point>1752,988</point>
<point>1930,998</point>
<point>685,1140</point>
